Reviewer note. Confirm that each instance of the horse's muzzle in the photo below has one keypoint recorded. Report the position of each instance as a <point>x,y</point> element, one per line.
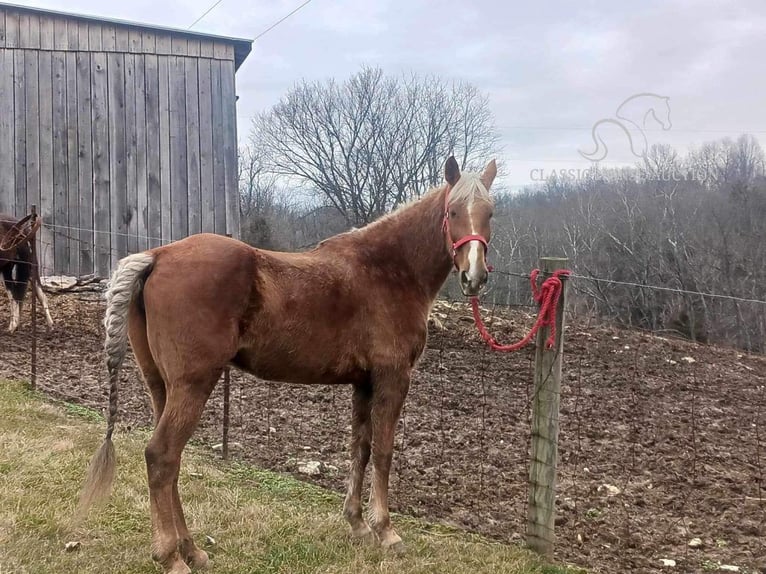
<point>472,285</point>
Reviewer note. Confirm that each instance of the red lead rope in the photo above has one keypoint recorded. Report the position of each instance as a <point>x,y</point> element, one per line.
<point>548,299</point>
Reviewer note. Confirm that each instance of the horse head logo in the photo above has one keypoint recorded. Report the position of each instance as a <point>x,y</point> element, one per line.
<point>632,117</point>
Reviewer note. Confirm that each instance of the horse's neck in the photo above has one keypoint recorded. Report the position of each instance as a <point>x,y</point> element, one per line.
<point>420,246</point>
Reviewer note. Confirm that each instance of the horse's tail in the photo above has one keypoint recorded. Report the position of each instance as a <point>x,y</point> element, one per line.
<point>126,282</point>
<point>18,286</point>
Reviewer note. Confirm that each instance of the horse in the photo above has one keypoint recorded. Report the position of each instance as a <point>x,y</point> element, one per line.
<point>16,267</point>
<point>353,310</point>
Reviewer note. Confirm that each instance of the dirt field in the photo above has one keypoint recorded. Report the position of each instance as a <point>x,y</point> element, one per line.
<point>662,441</point>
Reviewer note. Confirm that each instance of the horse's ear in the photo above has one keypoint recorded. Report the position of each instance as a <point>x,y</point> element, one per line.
<point>489,173</point>
<point>451,170</point>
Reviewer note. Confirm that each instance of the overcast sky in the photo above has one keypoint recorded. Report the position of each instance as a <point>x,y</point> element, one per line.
<point>551,68</point>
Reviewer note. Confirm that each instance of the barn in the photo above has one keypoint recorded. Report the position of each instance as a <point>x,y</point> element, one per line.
<point>122,134</point>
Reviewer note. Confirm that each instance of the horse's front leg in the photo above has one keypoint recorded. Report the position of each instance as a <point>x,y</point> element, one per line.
<point>15,312</point>
<point>40,294</point>
<point>388,394</point>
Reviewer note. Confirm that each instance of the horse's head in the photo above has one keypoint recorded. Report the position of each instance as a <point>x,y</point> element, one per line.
<point>467,217</point>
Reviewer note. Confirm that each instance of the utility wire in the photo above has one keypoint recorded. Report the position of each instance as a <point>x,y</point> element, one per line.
<point>205,14</point>
<point>278,22</point>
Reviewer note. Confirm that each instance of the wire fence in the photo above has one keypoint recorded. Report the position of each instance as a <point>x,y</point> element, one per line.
<point>660,451</point>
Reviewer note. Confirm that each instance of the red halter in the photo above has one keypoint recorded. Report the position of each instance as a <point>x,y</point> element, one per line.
<point>455,245</point>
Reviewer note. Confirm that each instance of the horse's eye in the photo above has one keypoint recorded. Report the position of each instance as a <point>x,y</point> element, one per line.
<point>453,213</point>
<point>490,215</point>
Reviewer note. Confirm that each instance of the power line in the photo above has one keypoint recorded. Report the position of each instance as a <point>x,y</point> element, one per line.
<point>278,22</point>
<point>205,14</point>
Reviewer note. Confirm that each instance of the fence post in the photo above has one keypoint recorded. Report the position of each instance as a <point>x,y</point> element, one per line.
<point>541,511</point>
<point>226,416</point>
<point>33,293</point>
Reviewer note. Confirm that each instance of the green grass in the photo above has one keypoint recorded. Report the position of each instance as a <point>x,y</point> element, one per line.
<point>262,522</point>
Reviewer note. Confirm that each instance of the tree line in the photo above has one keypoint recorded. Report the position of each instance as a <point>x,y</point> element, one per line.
<point>330,156</point>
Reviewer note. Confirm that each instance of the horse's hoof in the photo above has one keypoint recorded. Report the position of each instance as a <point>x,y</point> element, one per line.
<point>397,548</point>
<point>363,534</point>
<point>198,560</point>
<point>179,567</point>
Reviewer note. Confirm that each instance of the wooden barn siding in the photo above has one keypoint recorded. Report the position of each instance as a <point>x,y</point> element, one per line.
<point>124,139</point>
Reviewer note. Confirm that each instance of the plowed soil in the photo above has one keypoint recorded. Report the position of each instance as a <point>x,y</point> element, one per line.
<point>661,440</point>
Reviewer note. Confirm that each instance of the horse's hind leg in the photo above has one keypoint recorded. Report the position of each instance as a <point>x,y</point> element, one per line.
<point>172,545</point>
<point>361,431</point>
<point>150,372</point>
<point>180,540</point>
<point>389,391</point>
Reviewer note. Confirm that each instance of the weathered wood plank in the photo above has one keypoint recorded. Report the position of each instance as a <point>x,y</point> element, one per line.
<point>123,39</point>
<point>142,193</point>
<point>178,46</point>
<point>34,32</point>
<point>193,146</point>
<point>165,168</point>
<point>47,32</point>
<point>60,34</point>
<point>86,110</point>
<point>101,172</point>
<point>20,131</point>
<point>153,182</point>
<point>60,176</point>
<point>206,49</point>
<point>95,41</point>
<point>118,166</point>
<point>219,165</point>
<point>11,30</point>
<point>2,28</point>
<point>178,154</point>
<point>228,97</point>
<point>32,124</point>
<point>7,155</point>
<point>192,47</point>
<point>206,146</point>
<point>131,149</point>
<point>24,30</point>
<point>46,254</point>
<point>73,36</point>
<point>148,42</point>
<point>134,41</point>
<point>219,50</point>
<point>162,44</point>
<point>83,36</point>
<point>108,37</point>
<point>29,31</point>
<point>73,180</point>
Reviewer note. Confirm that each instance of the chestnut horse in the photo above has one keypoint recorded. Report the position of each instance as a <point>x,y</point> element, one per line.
<point>353,310</point>
<point>16,267</point>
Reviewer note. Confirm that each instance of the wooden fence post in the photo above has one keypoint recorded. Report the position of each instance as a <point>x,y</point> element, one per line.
<point>35,280</point>
<point>541,511</point>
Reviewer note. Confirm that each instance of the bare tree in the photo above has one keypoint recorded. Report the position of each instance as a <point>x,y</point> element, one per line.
<point>372,142</point>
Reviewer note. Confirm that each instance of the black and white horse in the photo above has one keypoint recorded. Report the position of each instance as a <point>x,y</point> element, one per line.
<point>16,267</point>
